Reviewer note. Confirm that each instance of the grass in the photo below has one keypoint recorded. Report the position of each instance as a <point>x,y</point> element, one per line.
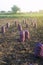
<point>20,15</point>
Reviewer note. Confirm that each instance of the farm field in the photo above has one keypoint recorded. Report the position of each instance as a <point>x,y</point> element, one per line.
<point>20,15</point>
<point>14,52</point>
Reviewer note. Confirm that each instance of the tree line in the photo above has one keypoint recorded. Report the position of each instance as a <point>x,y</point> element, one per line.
<point>14,9</point>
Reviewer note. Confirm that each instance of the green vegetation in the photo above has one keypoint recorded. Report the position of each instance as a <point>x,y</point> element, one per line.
<point>16,13</point>
<point>15,9</point>
<point>19,15</point>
